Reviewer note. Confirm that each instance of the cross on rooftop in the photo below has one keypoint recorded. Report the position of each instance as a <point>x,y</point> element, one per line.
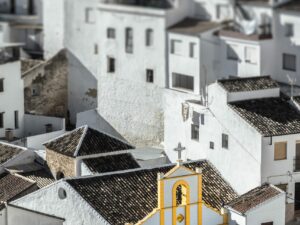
<point>179,150</point>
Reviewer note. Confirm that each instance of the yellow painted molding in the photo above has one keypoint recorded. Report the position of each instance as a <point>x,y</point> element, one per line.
<point>161,201</point>
<point>179,167</point>
<point>200,217</point>
<point>147,217</point>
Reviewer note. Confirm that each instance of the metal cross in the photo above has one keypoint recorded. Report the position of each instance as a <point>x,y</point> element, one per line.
<point>179,150</point>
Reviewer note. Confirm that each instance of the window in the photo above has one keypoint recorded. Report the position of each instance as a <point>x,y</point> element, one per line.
<point>149,37</point>
<point>30,7</point>
<point>211,145</point>
<point>12,6</point>
<point>2,120</point>
<point>111,33</point>
<point>192,50</point>
<point>111,65</point>
<point>90,15</point>
<point>289,62</point>
<point>195,132</point>
<point>183,81</point>
<point>96,50</point>
<point>268,223</point>
<point>225,143</point>
<point>250,55</point>
<point>289,30</point>
<point>232,52</point>
<point>149,76</point>
<point>129,40</point>
<point>280,152</point>
<point>202,119</point>
<point>176,47</point>
<point>1,85</point>
<point>62,194</point>
<point>181,195</point>
<point>16,119</point>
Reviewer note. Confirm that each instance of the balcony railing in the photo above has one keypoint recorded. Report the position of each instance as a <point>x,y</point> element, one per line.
<point>10,54</point>
<point>296,164</point>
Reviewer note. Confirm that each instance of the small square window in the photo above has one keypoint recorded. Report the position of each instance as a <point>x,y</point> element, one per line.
<point>225,142</point>
<point>111,33</point>
<point>149,76</point>
<point>195,132</point>
<point>289,62</point>
<point>211,145</point>
<point>90,15</point>
<point>111,65</point>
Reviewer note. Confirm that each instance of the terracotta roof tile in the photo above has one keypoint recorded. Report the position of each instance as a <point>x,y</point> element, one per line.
<point>7,152</point>
<point>270,116</point>
<point>87,141</point>
<point>248,84</point>
<point>129,197</point>
<point>254,198</point>
<point>111,163</point>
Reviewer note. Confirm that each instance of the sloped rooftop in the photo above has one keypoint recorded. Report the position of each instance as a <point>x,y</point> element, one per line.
<point>128,197</point>
<point>160,4</point>
<point>248,84</point>
<point>193,26</point>
<point>86,141</point>
<point>254,198</point>
<point>111,163</point>
<point>8,152</point>
<point>12,187</point>
<point>270,116</point>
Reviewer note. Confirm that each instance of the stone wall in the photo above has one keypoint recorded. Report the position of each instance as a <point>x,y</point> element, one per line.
<point>59,163</point>
<point>46,87</point>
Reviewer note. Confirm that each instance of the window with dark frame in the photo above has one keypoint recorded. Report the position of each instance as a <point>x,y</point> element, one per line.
<point>289,62</point>
<point>111,67</point>
<point>225,142</point>
<point>183,81</point>
<point>16,119</point>
<point>1,85</point>
<point>111,33</point>
<point>211,145</point>
<point>129,40</point>
<point>149,76</point>
<point>30,7</point>
<point>195,132</point>
<point>2,120</point>
<point>149,37</point>
<point>202,119</point>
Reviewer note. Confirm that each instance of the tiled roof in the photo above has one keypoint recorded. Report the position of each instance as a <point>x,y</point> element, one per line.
<point>42,177</point>
<point>293,5</point>
<point>270,116</point>
<point>297,99</point>
<point>7,152</point>
<point>128,197</point>
<point>111,163</point>
<point>28,64</point>
<point>193,26</point>
<point>254,198</point>
<point>248,84</point>
<point>86,141</point>
<point>12,187</point>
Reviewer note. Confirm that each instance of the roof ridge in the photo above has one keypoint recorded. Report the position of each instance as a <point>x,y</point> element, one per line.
<point>85,129</point>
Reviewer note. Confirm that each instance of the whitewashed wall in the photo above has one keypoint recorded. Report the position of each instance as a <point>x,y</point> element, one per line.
<point>47,201</point>
<point>12,98</point>
<point>36,142</point>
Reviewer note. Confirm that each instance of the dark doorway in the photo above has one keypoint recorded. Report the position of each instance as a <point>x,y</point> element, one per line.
<point>30,7</point>
<point>297,196</point>
<point>12,6</point>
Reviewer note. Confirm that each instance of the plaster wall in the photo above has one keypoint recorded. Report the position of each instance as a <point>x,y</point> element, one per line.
<point>24,217</point>
<point>246,95</point>
<point>236,218</point>
<point>12,99</point>
<point>137,117</point>
<point>35,124</point>
<point>271,211</point>
<point>47,201</point>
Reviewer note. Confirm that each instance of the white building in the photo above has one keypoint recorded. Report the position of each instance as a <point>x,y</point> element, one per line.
<point>246,129</point>
<point>25,18</point>
<point>11,91</point>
